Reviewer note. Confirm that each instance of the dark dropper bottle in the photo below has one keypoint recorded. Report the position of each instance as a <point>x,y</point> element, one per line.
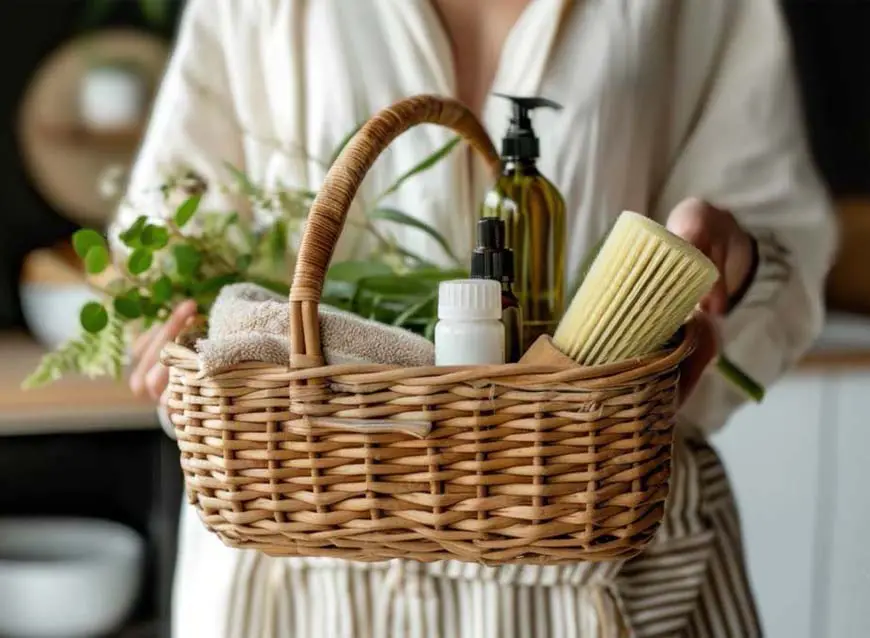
<point>491,259</point>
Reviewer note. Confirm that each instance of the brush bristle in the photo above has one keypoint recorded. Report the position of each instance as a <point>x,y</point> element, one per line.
<point>641,287</point>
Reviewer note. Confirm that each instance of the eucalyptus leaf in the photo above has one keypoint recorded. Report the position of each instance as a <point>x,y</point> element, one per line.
<point>187,210</point>
<point>398,217</point>
<point>214,284</point>
<point>129,305</point>
<point>86,239</point>
<point>154,237</point>
<point>150,309</point>
<point>161,290</point>
<point>394,286</point>
<point>131,236</point>
<point>205,292</point>
<point>422,167</point>
<point>140,260</point>
<point>187,260</point>
<point>97,260</point>
<point>93,317</point>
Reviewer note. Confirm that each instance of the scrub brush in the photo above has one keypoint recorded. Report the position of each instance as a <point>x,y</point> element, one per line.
<point>641,287</point>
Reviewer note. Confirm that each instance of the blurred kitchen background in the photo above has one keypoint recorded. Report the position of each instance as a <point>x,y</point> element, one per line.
<point>75,91</point>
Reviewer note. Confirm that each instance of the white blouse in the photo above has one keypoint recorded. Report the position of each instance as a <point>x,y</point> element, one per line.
<point>663,100</point>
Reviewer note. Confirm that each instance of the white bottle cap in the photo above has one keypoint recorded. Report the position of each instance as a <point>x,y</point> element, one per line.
<point>469,300</point>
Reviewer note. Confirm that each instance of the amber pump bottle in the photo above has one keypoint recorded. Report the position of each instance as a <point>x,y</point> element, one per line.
<point>534,214</point>
<point>492,260</point>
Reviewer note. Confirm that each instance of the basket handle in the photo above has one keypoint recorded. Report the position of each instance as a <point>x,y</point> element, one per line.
<point>329,209</point>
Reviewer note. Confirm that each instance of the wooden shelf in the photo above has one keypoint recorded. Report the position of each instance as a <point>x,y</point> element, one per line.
<point>848,286</point>
<point>121,140</point>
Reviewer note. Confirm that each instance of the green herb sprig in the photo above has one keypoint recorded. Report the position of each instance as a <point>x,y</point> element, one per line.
<point>196,252</point>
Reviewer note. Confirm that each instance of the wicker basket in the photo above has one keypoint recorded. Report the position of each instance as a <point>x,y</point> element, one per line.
<point>495,464</point>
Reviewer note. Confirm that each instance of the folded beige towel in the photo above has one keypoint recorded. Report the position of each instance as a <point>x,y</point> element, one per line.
<point>250,323</point>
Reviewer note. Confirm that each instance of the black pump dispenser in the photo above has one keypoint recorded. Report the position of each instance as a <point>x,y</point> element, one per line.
<point>520,141</point>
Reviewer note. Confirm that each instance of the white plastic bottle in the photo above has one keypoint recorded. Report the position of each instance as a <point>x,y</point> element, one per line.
<point>469,330</point>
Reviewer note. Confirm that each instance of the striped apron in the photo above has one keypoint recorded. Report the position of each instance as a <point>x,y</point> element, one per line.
<point>691,582</point>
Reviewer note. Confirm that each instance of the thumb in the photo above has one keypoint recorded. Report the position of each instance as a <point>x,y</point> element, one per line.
<point>716,301</point>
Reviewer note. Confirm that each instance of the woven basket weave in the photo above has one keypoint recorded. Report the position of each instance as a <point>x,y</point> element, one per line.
<point>495,464</point>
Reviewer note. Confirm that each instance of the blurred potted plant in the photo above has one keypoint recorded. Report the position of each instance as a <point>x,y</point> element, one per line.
<point>112,96</point>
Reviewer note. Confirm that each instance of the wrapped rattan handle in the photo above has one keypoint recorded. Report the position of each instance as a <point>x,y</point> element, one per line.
<point>329,210</point>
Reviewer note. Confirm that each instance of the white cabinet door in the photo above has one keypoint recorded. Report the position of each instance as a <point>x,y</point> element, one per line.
<point>844,557</point>
<point>772,454</point>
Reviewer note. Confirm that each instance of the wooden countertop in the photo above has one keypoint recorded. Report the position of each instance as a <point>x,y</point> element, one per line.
<point>70,405</point>
<point>78,404</point>
<point>835,361</point>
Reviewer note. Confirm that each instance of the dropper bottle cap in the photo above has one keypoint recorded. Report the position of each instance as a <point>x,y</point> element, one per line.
<point>520,141</point>
<point>491,259</point>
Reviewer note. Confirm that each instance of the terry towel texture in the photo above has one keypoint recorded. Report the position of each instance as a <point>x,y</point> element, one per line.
<point>250,323</point>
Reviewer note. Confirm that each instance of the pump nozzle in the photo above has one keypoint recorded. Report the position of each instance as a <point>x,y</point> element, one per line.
<point>520,142</point>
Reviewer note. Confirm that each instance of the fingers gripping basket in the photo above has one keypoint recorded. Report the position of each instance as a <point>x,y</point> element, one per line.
<point>495,464</point>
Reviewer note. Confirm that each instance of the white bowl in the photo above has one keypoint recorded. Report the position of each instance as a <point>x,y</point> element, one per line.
<point>51,310</point>
<point>67,577</point>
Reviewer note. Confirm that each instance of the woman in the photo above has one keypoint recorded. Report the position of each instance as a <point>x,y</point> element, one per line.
<point>685,110</point>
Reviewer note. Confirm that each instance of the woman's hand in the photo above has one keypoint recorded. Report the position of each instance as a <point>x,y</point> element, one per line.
<point>150,377</point>
<point>718,235</point>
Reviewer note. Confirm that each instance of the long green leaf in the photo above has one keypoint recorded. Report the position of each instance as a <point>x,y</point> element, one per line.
<point>398,217</point>
<point>423,166</point>
<point>342,279</point>
<point>340,147</point>
<point>412,310</point>
<point>247,186</point>
<point>740,379</point>
<point>353,271</point>
<point>397,286</point>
